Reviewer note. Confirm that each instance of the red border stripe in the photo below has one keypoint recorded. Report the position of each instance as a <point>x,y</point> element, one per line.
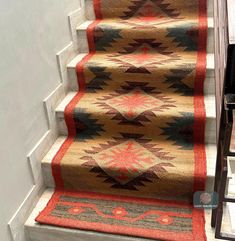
<point>97,9</point>
<point>199,126</point>
<point>45,217</point>
<point>68,113</point>
<point>90,35</point>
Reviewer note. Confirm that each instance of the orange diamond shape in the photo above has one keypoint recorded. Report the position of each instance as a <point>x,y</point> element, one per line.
<point>126,161</point>
<point>134,103</point>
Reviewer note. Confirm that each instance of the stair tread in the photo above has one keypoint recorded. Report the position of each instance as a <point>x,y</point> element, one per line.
<point>75,60</point>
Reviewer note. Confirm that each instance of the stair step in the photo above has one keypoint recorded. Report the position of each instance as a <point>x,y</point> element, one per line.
<point>38,232</point>
<point>209,84</point>
<point>83,43</point>
<point>90,15</point>
<point>47,160</point>
<point>210,113</point>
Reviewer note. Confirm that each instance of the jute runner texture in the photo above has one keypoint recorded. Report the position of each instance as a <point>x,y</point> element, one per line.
<point>135,152</point>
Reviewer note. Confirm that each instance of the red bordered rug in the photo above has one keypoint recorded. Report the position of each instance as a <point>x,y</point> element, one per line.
<point>136,126</point>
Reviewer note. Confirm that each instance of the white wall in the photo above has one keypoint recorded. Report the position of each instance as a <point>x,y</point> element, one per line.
<point>31,33</point>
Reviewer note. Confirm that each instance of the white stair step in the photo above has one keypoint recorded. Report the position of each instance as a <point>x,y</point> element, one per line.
<point>209,84</point>
<point>83,43</point>
<point>38,232</point>
<point>90,15</point>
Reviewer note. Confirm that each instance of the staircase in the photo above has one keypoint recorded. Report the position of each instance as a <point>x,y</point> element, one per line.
<point>38,232</point>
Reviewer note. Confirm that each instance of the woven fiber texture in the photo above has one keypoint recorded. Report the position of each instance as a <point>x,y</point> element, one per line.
<point>135,152</point>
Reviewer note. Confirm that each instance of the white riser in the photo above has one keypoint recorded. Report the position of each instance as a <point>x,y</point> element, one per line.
<point>90,15</point>
<point>83,43</point>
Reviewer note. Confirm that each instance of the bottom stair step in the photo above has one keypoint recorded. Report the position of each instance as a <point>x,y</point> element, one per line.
<point>49,181</point>
<point>39,232</point>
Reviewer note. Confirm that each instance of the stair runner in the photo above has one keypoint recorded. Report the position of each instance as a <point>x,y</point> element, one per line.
<point>135,151</point>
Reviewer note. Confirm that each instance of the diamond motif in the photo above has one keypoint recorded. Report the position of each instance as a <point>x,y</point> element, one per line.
<point>144,55</point>
<point>134,103</point>
<point>150,8</point>
<point>147,14</point>
<point>141,55</point>
<point>126,161</point>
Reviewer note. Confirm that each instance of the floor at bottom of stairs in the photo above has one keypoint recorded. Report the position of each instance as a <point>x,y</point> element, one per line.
<point>37,232</point>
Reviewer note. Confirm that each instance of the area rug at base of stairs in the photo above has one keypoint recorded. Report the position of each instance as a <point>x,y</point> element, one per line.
<point>135,152</point>
<point>148,218</point>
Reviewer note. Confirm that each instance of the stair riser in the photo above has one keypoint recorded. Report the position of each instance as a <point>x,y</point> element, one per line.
<point>90,15</point>
<point>83,43</point>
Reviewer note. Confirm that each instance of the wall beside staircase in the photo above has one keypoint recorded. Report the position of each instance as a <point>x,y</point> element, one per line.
<point>32,32</point>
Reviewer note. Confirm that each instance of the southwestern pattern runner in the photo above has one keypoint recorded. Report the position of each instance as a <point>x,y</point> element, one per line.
<point>136,125</point>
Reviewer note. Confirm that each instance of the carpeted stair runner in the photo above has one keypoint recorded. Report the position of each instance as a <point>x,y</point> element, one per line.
<point>135,151</point>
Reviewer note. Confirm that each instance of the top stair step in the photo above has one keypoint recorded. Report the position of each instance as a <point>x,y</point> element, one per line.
<point>90,14</point>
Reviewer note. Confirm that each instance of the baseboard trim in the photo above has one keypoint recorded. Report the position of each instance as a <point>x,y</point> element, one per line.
<point>50,104</point>
<point>16,224</point>
<point>36,155</point>
<point>63,57</point>
<point>75,18</point>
